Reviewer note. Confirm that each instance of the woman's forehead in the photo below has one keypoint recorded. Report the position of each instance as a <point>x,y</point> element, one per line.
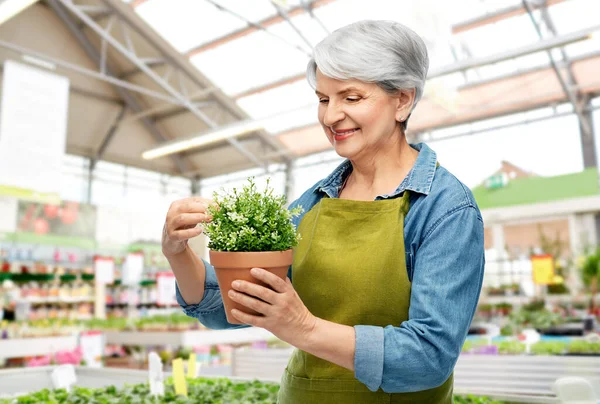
<point>328,85</point>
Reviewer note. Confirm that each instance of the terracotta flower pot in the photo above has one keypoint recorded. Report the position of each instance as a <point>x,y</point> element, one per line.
<point>232,266</point>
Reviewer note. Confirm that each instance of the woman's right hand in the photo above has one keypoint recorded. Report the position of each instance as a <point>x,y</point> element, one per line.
<point>182,222</point>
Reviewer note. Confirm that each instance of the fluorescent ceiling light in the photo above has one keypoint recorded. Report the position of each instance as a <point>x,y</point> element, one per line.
<point>10,8</point>
<point>217,135</point>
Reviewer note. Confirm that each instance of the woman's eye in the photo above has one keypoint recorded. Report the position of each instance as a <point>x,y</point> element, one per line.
<point>323,101</point>
<point>353,99</point>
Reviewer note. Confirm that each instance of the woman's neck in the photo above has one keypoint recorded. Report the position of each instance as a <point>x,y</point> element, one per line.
<point>381,172</point>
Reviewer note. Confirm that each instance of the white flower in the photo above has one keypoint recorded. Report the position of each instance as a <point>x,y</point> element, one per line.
<point>237,217</point>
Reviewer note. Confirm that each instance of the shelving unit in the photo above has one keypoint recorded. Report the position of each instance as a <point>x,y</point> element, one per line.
<point>26,347</point>
<point>188,338</point>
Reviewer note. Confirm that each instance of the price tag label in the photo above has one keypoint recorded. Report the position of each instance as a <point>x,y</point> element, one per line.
<point>192,366</point>
<point>179,377</point>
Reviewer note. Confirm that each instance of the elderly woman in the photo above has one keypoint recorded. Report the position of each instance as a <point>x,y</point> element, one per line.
<point>385,281</point>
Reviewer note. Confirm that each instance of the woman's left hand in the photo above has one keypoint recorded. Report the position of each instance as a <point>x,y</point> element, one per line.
<point>284,314</point>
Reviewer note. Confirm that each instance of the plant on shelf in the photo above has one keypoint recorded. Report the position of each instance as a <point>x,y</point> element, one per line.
<point>495,291</point>
<point>590,274</point>
<point>511,348</point>
<point>249,228</point>
<point>504,308</point>
<point>548,348</point>
<point>507,330</point>
<point>582,347</point>
<point>511,289</point>
<point>485,309</point>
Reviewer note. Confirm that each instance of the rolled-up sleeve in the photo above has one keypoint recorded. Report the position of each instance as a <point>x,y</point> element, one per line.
<point>421,353</point>
<point>210,311</point>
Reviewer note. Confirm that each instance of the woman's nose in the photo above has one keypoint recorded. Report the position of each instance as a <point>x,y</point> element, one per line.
<point>333,115</point>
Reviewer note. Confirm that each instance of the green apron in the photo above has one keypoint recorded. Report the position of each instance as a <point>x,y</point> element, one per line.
<point>350,268</point>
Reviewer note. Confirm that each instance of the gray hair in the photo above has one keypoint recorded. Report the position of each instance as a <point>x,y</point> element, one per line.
<point>386,53</point>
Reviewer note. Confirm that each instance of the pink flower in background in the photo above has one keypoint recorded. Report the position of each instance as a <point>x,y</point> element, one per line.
<point>39,361</point>
<point>69,357</point>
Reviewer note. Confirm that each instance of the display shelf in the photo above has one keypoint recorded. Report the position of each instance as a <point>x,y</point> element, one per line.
<point>188,338</point>
<point>520,300</point>
<point>26,347</point>
<point>29,380</point>
<point>51,300</point>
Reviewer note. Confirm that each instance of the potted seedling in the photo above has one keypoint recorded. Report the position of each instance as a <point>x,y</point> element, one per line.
<point>249,229</point>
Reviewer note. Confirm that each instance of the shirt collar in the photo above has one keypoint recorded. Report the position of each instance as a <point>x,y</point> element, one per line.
<point>418,180</point>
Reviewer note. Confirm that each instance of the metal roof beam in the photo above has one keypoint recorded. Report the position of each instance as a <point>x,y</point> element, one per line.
<point>129,99</point>
<point>499,15</point>
<point>567,84</point>
<point>132,57</point>
<point>191,73</point>
<point>107,139</point>
<point>267,22</point>
<point>466,64</point>
<point>258,26</point>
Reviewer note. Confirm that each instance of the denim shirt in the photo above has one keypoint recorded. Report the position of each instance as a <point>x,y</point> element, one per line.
<point>443,235</point>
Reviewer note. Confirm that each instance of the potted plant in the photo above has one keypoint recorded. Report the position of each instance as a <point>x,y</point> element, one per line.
<point>486,309</point>
<point>504,308</point>
<point>249,229</point>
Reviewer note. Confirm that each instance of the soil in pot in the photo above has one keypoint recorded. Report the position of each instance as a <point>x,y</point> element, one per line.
<point>232,266</point>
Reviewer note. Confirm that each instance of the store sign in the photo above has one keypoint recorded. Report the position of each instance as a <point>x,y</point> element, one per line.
<point>133,269</point>
<point>8,214</point>
<point>33,128</point>
<point>496,181</point>
<point>104,269</point>
<point>543,269</point>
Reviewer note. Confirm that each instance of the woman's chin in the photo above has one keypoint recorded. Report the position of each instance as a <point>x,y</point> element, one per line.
<point>344,150</point>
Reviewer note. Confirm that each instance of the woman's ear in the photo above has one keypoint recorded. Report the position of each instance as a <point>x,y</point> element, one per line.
<point>405,100</point>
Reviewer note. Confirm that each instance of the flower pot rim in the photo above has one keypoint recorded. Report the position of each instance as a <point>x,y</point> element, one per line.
<point>250,259</point>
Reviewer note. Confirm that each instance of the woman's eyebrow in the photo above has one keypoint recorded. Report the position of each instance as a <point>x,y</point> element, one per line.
<point>342,91</point>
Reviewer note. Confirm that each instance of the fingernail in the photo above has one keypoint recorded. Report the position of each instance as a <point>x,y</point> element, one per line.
<point>255,271</point>
<point>231,293</point>
<point>235,284</point>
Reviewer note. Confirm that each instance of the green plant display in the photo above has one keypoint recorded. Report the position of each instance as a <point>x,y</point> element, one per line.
<point>590,274</point>
<point>511,348</point>
<point>548,348</point>
<point>201,390</point>
<point>583,347</point>
<point>538,319</point>
<point>507,331</point>
<point>251,220</point>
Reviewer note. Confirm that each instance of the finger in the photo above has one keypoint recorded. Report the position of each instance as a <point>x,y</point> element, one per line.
<point>248,318</point>
<point>250,302</point>
<point>190,206</point>
<point>188,219</point>
<point>181,235</point>
<point>252,289</point>
<point>270,279</point>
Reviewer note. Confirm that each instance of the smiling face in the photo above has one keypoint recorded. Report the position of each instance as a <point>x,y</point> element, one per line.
<point>359,118</point>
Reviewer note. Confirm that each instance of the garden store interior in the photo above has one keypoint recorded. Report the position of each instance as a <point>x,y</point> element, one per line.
<point>110,110</point>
